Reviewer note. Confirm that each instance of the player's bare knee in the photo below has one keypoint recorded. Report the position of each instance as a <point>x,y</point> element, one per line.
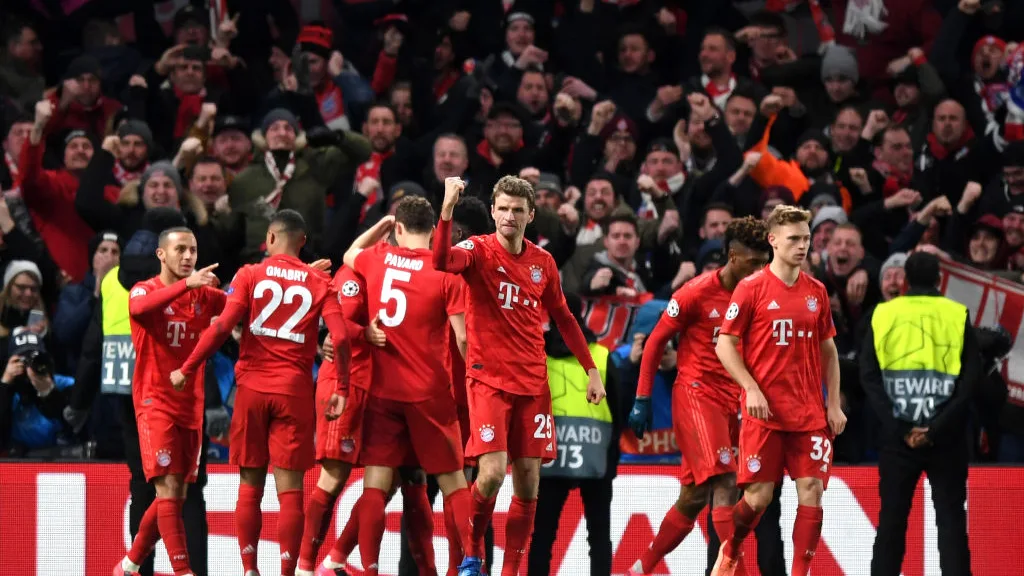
<point>526,478</point>
<point>451,481</point>
<point>723,490</point>
<point>333,476</point>
<point>169,486</point>
<point>692,500</point>
<point>809,491</point>
<point>491,474</point>
<point>288,480</point>
<point>253,477</point>
<point>759,495</point>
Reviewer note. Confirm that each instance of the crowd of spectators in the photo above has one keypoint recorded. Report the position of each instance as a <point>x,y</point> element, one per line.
<point>644,125</point>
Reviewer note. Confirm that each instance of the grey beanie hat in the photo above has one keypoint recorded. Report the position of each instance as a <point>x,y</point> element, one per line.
<point>167,169</point>
<point>839,61</point>
<point>895,260</point>
<point>133,127</point>
<point>279,114</point>
<point>829,214</point>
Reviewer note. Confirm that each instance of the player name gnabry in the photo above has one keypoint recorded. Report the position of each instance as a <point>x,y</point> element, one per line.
<point>286,274</point>
<point>402,262</point>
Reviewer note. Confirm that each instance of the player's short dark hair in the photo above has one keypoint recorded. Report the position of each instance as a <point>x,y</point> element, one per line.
<point>471,213</point>
<point>730,40</point>
<point>517,188</point>
<point>416,214</point>
<point>922,270</point>
<point>164,235</point>
<point>289,221</point>
<point>749,232</point>
<point>626,218</point>
<point>784,214</point>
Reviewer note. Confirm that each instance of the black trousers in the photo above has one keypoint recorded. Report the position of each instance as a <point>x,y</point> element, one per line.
<point>143,494</point>
<point>406,565</point>
<point>770,559</point>
<point>597,510</point>
<point>900,468</point>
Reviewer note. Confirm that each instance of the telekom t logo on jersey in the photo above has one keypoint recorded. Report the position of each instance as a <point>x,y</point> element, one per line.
<point>175,332</point>
<point>782,330</point>
<point>508,293</point>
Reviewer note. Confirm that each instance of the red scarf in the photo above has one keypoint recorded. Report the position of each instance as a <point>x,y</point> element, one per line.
<point>189,106</point>
<point>123,176</point>
<point>484,150</point>
<point>941,152</point>
<point>370,169</point>
<point>894,179</point>
<point>443,83</point>
<point>328,99</point>
<point>281,177</point>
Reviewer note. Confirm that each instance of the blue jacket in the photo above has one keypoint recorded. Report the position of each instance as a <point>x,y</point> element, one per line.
<point>29,427</point>
<point>74,311</point>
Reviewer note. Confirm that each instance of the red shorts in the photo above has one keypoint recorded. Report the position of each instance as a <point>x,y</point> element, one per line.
<point>274,429</point>
<point>706,433</point>
<point>412,433</point>
<point>340,439</point>
<point>463,412</point>
<point>168,448</point>
<point>766,453</point>
<point>504,422</point>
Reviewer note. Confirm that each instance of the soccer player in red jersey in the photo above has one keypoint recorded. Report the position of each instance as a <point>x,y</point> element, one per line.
<point>705,400</point>
<point>168,312</point>
<point>282,299</point>
<point>513,287</point>
<point>783,318</point>
<point>410,415</point>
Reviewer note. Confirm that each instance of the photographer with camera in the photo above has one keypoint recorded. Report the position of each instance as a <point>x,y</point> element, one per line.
<point>31,396</point>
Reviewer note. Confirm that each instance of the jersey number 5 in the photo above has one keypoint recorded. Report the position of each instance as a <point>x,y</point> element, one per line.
<point>277,295</point>
<point>389,292</point>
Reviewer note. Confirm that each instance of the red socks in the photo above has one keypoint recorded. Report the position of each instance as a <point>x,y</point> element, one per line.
<point>480,517</point>
<point>289,529</point>
<point>744,519</point>
<point>248,523</point>
<point>806,533</point>
<point>147,537</point>
<point>461,505</point>
<point>318,521</point>
<point>721,517</point>
<point>451,528</point>
<point>371,528</point>
<point>349,536</point>
<point>518,529</point>
<point>172,530</point>
<point>674,528</point>
<point>419,526</point>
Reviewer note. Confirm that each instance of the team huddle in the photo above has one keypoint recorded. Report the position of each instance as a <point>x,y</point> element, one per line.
<point>435,365</point>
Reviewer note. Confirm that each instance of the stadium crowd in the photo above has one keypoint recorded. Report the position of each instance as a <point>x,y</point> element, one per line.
<point>644,126</point>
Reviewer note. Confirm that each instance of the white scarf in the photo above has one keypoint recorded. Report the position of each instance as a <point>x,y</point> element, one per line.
<point>863,17</point>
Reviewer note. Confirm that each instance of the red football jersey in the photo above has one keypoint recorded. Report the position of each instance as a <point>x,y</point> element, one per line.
<point>166,322</point>
<point>781,329</point>
<point>352,294</point>
<point>695,312</point>
<point>458,371</point>
<point>509,299</point>
<point>413,302</point>
<point>285,299</point>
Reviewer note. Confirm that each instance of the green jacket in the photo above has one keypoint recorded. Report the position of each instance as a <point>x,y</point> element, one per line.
<point>317,170</point>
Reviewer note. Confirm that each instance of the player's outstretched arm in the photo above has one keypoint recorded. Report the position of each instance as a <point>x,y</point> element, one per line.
<point>373,235</point>
<point>214,336</point>
<point>142,303</point>
<point>446,258</point>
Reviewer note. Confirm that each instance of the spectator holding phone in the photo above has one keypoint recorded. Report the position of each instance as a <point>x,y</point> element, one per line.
<point>32,397</point>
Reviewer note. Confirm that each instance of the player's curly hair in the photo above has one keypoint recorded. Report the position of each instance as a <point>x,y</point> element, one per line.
<point>472,215</point>
<point>784,214</point>
<point>517,188</point>
<point>749,232</point>
<point>416,214</point>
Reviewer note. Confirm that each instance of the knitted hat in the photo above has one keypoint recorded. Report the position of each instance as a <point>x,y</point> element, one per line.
<point>549,181</point>
<point>829,214</point>
<point>620,123</point>
<point>988,40</point>
<point>17,267</point>
<point>895,260</point>
<point>83,65</point>
<point>167,169</point>
<point>276,115</point>
<point>318,39</point>
<point>839,61</point>
<point>72,134</point>
<point>95,241</point>
<point>711,252</point>
<point>405,189</point>
<point>646,317</point>
<point>813,134</point>
<point>133,127</point>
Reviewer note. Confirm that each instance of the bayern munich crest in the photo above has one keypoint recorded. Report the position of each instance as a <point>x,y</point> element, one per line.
<point>163,458</point>
<point>725,455</point>
<point>812,303</point>
<point>753,464</point>
<point>348,445</point>
<point>487,433</point>
<point>536,275</point>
